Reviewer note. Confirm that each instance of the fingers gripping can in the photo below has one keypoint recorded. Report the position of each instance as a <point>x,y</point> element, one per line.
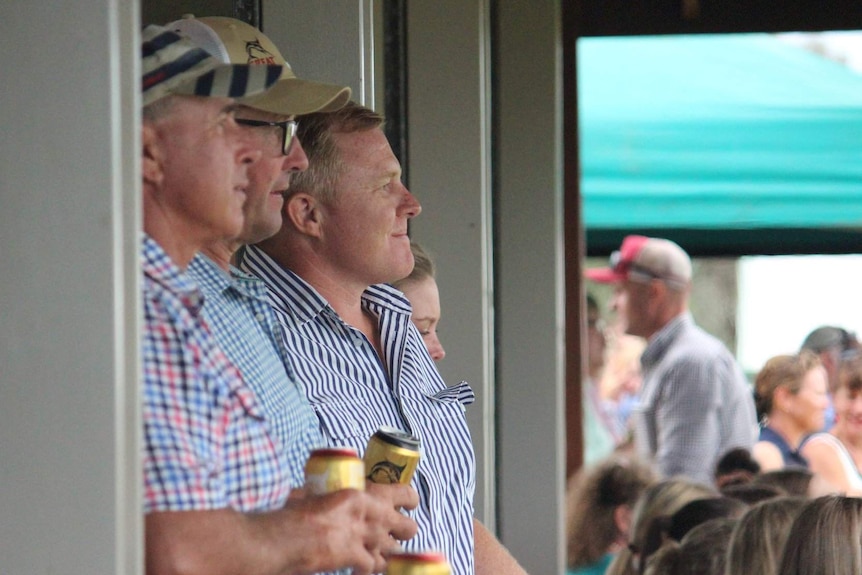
<point>423,563</point>
<point>391,456</point>
<point>332,469</point>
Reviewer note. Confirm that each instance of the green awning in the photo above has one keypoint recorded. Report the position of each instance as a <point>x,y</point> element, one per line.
<point>729,144</point>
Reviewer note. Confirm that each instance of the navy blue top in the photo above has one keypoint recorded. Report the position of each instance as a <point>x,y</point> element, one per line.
<point>791,457</point>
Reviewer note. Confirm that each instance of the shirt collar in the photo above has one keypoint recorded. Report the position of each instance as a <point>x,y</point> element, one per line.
<point>290,293</point>
<point>213,279</point>
<point>663,339</point>
<point>160,268</point>
<point>209,275</point>
<point>297,297</point>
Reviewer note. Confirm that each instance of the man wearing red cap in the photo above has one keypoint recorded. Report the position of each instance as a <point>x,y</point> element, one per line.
<point>695,402</point>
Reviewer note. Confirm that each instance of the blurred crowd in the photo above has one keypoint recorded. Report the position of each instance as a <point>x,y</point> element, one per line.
<point>689,467</point>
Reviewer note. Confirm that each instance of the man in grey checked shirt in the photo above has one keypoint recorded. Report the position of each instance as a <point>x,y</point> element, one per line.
<point>695,403</point>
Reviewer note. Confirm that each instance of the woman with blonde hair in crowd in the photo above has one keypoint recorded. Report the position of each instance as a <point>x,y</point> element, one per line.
<point>703,551</point>
<point>758,539</point>
<point>659,500</point>
<point>825,538</point>
<point>599,510</point>
<point>836,456</point>
<point>791,398</point>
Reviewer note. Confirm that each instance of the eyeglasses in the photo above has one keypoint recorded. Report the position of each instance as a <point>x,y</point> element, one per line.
<point>288,128</point>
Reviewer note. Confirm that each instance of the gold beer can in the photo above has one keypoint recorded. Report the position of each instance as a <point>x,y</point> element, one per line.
<point>391,456</point>
<point>331,469</point>
<point>423,563</point>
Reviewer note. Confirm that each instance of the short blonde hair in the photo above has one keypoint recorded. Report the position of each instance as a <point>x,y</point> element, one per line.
<point>781,371</point>
<point>324,164</point>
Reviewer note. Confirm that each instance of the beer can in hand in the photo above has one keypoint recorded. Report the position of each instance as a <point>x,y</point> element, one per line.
<point>332,469</point>
<point>423,563</point>
<point>391,456</point>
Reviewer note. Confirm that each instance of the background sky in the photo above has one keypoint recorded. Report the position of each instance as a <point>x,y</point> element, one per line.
<point>782,298</point>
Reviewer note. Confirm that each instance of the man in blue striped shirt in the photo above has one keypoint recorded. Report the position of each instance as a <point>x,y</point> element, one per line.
<point>361,360</point>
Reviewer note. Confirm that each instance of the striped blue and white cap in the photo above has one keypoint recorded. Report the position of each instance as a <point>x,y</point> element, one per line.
<point>172,64</point>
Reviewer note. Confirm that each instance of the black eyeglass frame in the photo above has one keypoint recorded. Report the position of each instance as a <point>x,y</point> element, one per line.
<point>288,130</point>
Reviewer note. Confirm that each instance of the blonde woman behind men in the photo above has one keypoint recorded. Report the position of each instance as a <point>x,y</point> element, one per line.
<point>420,289</point>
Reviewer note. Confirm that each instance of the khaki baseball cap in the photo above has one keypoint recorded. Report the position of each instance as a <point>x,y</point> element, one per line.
<point>233,41</point>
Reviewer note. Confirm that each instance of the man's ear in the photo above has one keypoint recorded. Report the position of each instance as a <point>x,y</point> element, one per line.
<point>151,154</point>
<point>303,212</point>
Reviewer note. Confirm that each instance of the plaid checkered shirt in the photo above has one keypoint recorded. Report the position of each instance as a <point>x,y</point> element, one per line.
<point>246,329</point>
<point>207,445</point>
<point>695,403</point>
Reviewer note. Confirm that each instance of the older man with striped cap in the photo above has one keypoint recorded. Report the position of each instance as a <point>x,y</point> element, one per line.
<point>216,478</point>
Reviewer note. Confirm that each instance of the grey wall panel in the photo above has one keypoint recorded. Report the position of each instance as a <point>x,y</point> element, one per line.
<point>529,257</point>
<point>449,149</point>
<point>70,474</point>
<point>326,40</point>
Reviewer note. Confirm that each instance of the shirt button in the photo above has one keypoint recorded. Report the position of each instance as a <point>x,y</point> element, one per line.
<point>259,317</point>
<point>357,341</point>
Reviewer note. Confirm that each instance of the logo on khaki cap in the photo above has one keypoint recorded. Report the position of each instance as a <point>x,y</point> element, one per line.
<point>257,54</point>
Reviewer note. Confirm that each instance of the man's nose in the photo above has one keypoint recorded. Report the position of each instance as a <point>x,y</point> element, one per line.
<point>296,160</point>
<point>411,206</point>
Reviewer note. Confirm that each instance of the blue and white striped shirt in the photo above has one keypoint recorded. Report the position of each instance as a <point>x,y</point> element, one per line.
<point>353,393</point>
<point>245,327</point>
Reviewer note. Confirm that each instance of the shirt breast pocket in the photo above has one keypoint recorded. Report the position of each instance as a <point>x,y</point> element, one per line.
<point>349,424</point>
<point>237,388</point>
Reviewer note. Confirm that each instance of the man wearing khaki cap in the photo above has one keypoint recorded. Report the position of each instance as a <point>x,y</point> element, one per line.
<point>695,403</point>
<point>216,479</point>
<point>237,310</point>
